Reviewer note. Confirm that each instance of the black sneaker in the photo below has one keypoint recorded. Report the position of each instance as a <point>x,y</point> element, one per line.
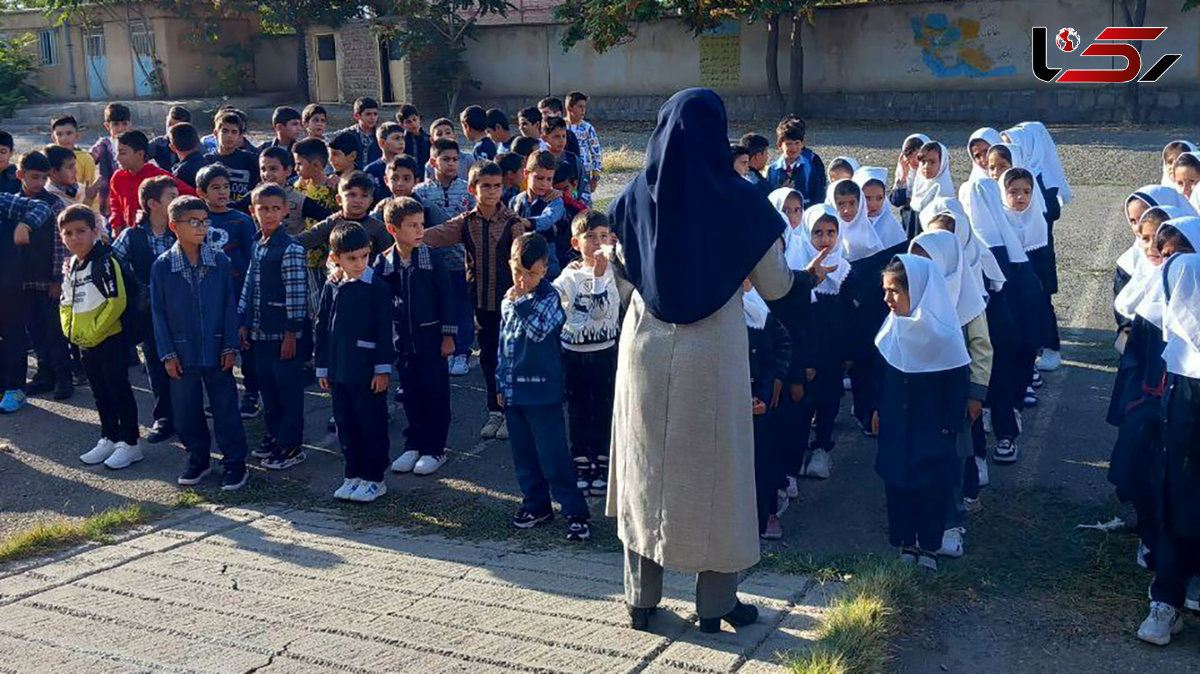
<point>65,388</point>
<point>523,519</point>
<point>249,406</point>
<point>160,431</point>
<point>266,448</point>
<point>578,530</point>
<point>39,385</point>
<point>583,474</point>
<point>234,479</point>
<point>193,475</point>
<point>284,458</point>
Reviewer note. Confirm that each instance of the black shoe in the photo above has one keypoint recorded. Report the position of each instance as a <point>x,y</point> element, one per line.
<point>234,479</point>
<point>65,388</point>
<point>249,406</point>
<point>578,529</point>
<point>160,431</point>
<point>639,618</point>
<point>740,616</point>
<point>38,386</point>
<point>523,519</point>
<point>266,448</point>
<point>583,474</point>
<point>193,475</point>
<point>284,458</point>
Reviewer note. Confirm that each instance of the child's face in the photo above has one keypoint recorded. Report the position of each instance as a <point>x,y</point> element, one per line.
<point>591,241</point>
<point>741,164</point>
<point>77,237</point>
<point>541,181</point>
<point>352,262</point>
<point>117,128</point>
<point>191,227</point>
<point>979,152</point>
<point>368,118</point>
<point>273,171</point>
<point>229,138</point>
<point>1170,156</point>
<point>341,161</point>
<point>896,295</point>
<point>941,223</point>
<point>911,159</point>
<point>930,163</point>
<point>217,193</point>
<point>400,182</point>
<point>557,140</point>
<point>412,124</point>
<point>839,174</point>
<point>446,165</point>
<point>5,157</point>
<point>488,190</point>
<point>528,128</point>
<point>290,132</point>
<point>527,279</point>
<point>873,195</point>
<point>1018,193</point>
<point>1145,234</point>
<point>847,206</point>
<point>392,144</point>
<point>309,169</point>
<point>578,111</point>
<point>824,234</point>
<point>791,149</point>
<point>269,212</point>
<point>129,159</point>
<point>1133,211</point>
<point>66,135</point>
<point>793,209</point>
<point>355,201</point>
<point>758,160</point>
<point>159,206</point>
<point>548,112</point>
<point>66,175</point>
<point>997,165</point>
<point>316,126</point>
<point>512,179</point>
<point>32,181</point>
<point>567,186</point>
<point>1186,178</point>
<point>443,131</point>
<point>411,231</point>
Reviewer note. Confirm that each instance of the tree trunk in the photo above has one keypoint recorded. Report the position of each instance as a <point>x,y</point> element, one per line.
<point>773,63</point>
<point>302,61</point>
<point>795,97</point>
<point>1135,16</point>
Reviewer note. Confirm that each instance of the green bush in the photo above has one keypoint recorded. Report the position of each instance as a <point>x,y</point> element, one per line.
<point>18,68</point>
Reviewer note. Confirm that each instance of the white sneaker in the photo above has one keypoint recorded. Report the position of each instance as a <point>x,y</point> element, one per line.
<point>847,384</point>
<point>406,462</point>
<point>781,502</point>
<point>793,488</point>
<point>99,453</point>
<point>1049,361</point>
<point>987,420</point>
<point>428,465</point>
<point>952,542</point>
<point>343,492</point>
<point>367,491</point>
<point>1192,601</point>
<point>1162,622</point>
<point>1005,452</point>
<point>502,432</point>
<point>982,466</point>
<point>819,465</point>
<point>460,366</point>
<point>492,427</point>
<point>1142,551</point>
<point>124,456</point>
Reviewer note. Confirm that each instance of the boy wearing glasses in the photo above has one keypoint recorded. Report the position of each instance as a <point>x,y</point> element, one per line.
<point>196,333</point>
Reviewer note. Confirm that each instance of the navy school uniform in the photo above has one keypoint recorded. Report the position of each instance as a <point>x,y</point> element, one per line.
<point>1121,278</point>
<point>1017,325</point>
<point>770,358</point>
<point>909,218</point>
<point>195,320</point>
<point>866,313</point>
<point>422,314</point>
<point>1176,482</point>
<point>353,339</point>
<point>1044,262</point>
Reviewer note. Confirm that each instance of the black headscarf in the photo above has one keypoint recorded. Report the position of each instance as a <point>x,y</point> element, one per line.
<point>692,228</point>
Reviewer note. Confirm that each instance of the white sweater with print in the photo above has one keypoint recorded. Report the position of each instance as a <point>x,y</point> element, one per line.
<point>592,305</point>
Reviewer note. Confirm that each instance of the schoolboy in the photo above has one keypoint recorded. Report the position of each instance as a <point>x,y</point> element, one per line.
<point>486,232</point>
<point>312,158</point>
<point>424,329</point>
<point>589,141</point>
<point>589,339</point>
<point>354,361</point>
<point>117,120</point>
<point>474,127</point>
<point>195,331</point>
<point>212,143</point>
<point>241,163</point>
<point>552,107</point>
<point>64,132</point>
<point>566,182</point>
<point>443,129</point>
<point>529,383</point>
<point>344,153</point>
<point>61,181</point>
<point>288,128</point>
<point>529,122</point>
<point>137,248</point>
<point>41,282</point>
<point>759,150</point>
<point>19,219</point>
<point>356,194</point>
<point>275,166</point>
<point>159,150</point>
<point>498,130</point>
<point>798,166</point>
<point>416,142</point>
<point>741,160</point>
<point>554,132</point>
<point>135,170</point>
<point>526,146</point>
<point>273,307</point>
<point>314,118</point>
<point>9,182</point>
<point>189,153</point>
<point>400,179</point>
<point>229,231</point>
<point>366,116</point>
<point>92,313</point>
<point>512,165</point>
<point>391,141</point>
<point>541,204</point>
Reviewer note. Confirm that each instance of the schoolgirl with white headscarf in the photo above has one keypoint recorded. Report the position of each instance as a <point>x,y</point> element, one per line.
<point>977,147</point>
<point>1170,152</point>
<point>907,166</point>
<point>889,230</point>
<point>1130,262</point>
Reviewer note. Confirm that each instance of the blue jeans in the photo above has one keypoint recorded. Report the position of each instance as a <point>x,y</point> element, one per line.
<point>282,389</point>
<point>187,395</point>
<point>464,312</point>
<point>539,445</point>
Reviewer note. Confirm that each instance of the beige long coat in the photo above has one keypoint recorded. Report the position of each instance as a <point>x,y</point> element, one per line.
<point>681,481</point>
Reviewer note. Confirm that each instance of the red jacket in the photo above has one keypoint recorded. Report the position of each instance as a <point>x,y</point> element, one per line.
<point>123,195</point>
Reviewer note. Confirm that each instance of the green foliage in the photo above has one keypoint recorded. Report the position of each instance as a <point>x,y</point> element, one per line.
<point>18,67</point>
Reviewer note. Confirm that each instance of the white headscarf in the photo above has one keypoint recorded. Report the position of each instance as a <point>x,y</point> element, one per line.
<point>887,227</point>
<point>979,258</point>
<point>858,236</point>
<point>930,338</point>
<point>1153,196</point>
<point>849,160</point>
<point>989,136</point>
<point>967,295</point>
<point>985,207</point>
<point>754,308</point>
<point>1142,295</point>
<point>1181,317</point>
<point>804,252</point>
<point>1167,179</point>
<point>900,168</point>
<point>926,190</point>
<point>1042,155</point>
<point>1029,224</point>
<point>792,236</point>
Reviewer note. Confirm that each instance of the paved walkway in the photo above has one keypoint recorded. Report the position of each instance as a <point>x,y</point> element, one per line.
<point>277,590</point>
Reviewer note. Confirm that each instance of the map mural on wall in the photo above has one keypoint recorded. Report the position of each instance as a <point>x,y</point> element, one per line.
<point>954,48</point>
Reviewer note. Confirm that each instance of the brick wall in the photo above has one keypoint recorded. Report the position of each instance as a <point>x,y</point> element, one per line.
<point>358,60</point>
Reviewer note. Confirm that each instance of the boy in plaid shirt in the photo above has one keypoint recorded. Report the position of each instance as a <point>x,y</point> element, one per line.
<point>589,140</point>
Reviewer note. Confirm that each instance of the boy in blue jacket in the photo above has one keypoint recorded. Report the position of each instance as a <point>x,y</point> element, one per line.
<point>798,166</point>
<point>196,334</point>
<point>529,384</point>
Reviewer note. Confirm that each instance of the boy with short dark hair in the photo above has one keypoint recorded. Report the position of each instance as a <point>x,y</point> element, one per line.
<point>541,204</point>
<point>566,182</point>
<point>62,179</point>
<point>529,122</point>
<point>195,331</point>
<point>160,151</point>
<point>9,182</point>
<point>486,232</point>
<point>758,149</point>
<point>241,163</point>
<point>314,118</point>
<point>185,143</point>
<point>416,141</point>
<point>552,107</point>
<point>512,165</point>
<point>400,179</point>
<point>230,231</point>
<point>92,314</point>
<point>344,153</point>
<point>356,193</point>
<point>288,126</point>
<point>798,166</point>
<point>554,132</point>
<point>212,143</point>
<point>354,361</point>
<point>312,159</point>
<point>275,166</point>
<point>526,146</point>
<point>64,132</point>
<point>424,328</point>
<point>589,141</point>
<point>474,126</point>
<point>443,129</point>
<point>135,170</point>
<point>529,386</point>
<point>391,141</point>
<point>117,120</point>
<point>498,130</point>
<point>274,315</point>
<point>366,116</point>
<point>741,160</point>
<point>20,218</point>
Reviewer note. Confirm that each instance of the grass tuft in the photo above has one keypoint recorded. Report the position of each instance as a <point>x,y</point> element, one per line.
<point>62,532</point>
<point>623,159</point>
